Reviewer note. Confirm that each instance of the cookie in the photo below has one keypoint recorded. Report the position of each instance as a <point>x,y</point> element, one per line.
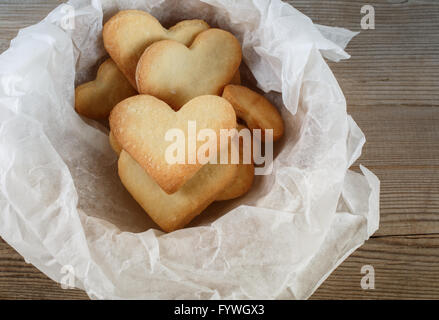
<point>243,180</point>
<point>96,99</point>
<point>114,144</point>
<point>141,123</point>
<point>128,33</point>
<point>256,111</point>
<point>176,74</point>
<point>172,212</point>
<point>236,78</point>
<point>239,186</point>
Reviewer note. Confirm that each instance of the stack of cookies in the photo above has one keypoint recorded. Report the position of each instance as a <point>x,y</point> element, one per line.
<point>159,82</point>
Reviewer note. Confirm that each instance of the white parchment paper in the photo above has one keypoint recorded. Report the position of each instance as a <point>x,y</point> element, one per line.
<point>63,208</point>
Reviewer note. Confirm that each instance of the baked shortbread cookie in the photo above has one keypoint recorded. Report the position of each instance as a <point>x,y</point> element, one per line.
<point>236,78</point>
<point>240,185</point>
<point>243,180</point>
<point>172,212</point>
<point>141,123</point>
<point>114,144</point>
<point>96,99</point>
<point>255,110</point>
<point>128,33</point>
<point>176,74</point>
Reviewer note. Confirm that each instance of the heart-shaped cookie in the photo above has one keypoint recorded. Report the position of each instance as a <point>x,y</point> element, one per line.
<point>128,33</point>
<point>243,180</point>
<point>239,186</point>
<point>140,125</point>
<point>114,144</point>
<point>96,99</point>
<point>174,211</point>
<point>255,110</point>
<point>176,74</point>
<point>236,78</point>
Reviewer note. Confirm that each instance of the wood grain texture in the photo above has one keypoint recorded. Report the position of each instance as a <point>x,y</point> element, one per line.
<point>19,280</point>
<point>15,15</point>
<point>392,89</point>
<point>405,268</point>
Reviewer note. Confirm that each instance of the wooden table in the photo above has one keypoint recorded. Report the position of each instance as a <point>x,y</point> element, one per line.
<point>392,88</point>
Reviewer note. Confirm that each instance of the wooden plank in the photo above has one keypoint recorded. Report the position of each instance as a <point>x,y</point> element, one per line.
<point>405,268</point>
<point>15,15</point>
<point>399,136</point>
<point>19,280</point>
<point>409,200</point>
<point>397,62</point>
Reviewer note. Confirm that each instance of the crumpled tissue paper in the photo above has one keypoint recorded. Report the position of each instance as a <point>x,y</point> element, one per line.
<point>63,208</point>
